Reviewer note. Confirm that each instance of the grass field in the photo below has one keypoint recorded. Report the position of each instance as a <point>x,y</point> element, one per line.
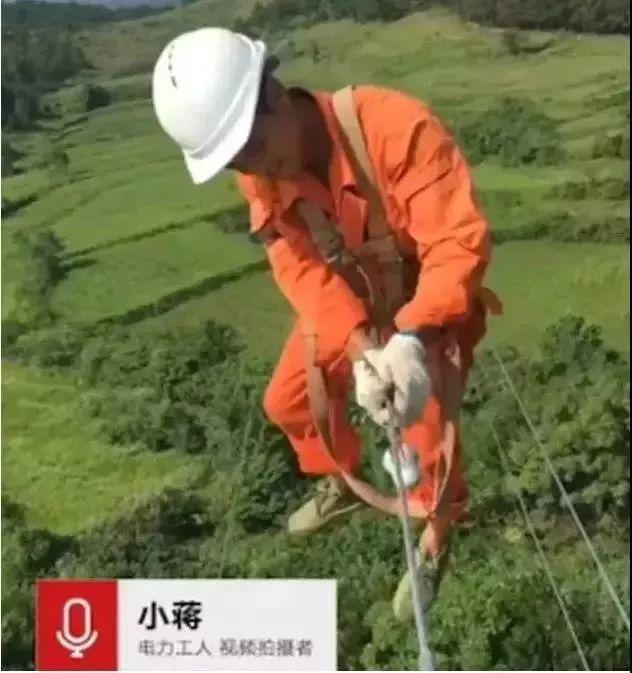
<point>55,466</point>
<point>141,244</point>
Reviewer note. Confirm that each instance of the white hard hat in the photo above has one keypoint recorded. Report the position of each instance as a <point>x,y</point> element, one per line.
<point>205,89</point>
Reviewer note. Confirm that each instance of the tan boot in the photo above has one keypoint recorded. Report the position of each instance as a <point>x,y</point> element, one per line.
<point>333,500</point>
<point>431,571</point>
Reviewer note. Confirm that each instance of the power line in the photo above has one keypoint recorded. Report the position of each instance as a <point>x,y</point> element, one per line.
<point>426,662</point>
<point>566,498</point>
<point>545,564</point>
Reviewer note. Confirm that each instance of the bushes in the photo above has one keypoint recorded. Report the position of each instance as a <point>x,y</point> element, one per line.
<point>152,390</point>
<point>576,393</point>
<point>611,188</point>
<point>41,14</point>
<point>515,131</point>
<point>41,267</point>
<point>517,43</point>
<point>216,411</point>
<point>597,16</point>
<point>49,347</point>
<point>34,62</point>
<point>56,161</point>
<point>233,220</point>
<point>95,97</point>
<point>26,555</point>
<point>615,145</point>
<point>568,228</point>
<point>157,539</point>
<point>9,157</point>
<point>160,359</point>
<point>512,620</point>
<point>495,611</point>
<point>275,15</point>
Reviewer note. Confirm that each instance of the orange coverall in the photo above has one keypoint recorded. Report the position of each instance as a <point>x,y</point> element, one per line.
<point>431,205</point>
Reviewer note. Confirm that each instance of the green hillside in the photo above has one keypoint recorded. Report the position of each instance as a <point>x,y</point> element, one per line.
<point>146,255</point>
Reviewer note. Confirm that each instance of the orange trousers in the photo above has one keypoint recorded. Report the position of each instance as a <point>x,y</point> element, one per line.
<point>286,403</point>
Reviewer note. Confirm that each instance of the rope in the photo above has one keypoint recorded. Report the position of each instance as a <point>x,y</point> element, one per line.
<point>425,655</point>
<point>545,563</point>
<point>566,498</point>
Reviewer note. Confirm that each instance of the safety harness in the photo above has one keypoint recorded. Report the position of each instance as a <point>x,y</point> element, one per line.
<point>385,277</point>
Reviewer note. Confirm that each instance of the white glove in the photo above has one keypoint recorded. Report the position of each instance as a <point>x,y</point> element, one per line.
<point>402,365</point>
<point>399,370</point>
<point>371,390</point>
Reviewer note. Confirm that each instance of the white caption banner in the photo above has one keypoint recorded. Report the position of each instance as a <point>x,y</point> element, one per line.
<point>210,625</point>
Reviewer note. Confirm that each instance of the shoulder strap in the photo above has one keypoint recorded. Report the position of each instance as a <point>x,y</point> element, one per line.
<point>388,295</point>
<point>355,149</point>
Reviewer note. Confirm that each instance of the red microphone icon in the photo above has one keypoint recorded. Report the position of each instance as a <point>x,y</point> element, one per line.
<point>77,644</point>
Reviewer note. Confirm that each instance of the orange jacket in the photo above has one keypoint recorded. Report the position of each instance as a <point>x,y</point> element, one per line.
<point>430,204</point>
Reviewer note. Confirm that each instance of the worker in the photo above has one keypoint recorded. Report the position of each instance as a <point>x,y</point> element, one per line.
<point>316,205</point>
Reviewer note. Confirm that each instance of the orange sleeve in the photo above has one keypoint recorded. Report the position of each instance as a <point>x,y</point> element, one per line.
<point>318,295</point>
<point>432,185</point>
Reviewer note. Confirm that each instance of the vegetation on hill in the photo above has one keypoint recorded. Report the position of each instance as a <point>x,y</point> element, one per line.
<point>34,61</point>
<point>140,326</point>
<point>182,388</point>
<point>37,13</point>
<point>597,16</point>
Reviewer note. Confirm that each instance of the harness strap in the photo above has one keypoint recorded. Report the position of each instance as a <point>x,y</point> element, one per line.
<point>390,291</point>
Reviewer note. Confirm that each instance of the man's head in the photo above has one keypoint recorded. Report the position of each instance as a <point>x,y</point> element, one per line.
<point>274,147</point>
<point>214,94</point>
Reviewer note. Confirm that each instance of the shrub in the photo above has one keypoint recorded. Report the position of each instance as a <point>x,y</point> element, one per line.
<point>612,145</point>
<point>576,394</point>
<point>515,131</point>
<point>9,158</point>
<point>50,347</point>
<point>40,254</point>
<point>56,160</point>
<point>27,554</point>
<point>566,227</point>
<point>164,390</point>
<point>495,610</point>
<point>157,539</point>
<point>11,331</point>
<point>34,62</point>
<point>96,96</point>
<point>160,359</point>
<point>233,220</point>
<point>598,16</point>
<point>611,188</point>
<point>517,43</point>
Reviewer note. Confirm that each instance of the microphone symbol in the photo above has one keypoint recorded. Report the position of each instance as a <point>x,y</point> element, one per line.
<point>77,643</point>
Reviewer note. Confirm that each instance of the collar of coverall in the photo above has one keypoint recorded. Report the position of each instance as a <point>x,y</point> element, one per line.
<point>341,174</point>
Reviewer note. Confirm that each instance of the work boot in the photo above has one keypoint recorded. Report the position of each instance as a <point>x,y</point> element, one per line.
<point>333,500</point>
<point>431,571</point>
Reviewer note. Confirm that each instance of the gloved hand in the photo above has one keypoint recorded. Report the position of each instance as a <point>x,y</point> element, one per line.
<point>402,364</point>
<point>371,391</point>
<point>398,370</point>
